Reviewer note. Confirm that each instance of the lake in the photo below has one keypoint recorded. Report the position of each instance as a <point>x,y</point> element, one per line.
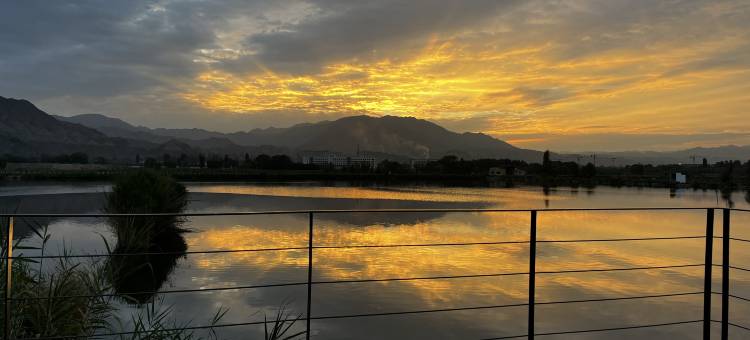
<point>201,271</point>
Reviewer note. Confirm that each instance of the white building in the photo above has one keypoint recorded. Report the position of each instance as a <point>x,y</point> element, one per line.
<point>680,178</point>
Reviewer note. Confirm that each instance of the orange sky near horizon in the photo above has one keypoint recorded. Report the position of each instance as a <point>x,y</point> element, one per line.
<point>521,90</point>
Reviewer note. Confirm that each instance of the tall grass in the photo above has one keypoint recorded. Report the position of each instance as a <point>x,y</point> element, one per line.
<point>53,302</point>
<point>65,299</point>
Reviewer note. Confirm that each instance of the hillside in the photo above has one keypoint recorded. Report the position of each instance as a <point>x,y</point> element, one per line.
<point>25,130</point>
<point>402,137</point>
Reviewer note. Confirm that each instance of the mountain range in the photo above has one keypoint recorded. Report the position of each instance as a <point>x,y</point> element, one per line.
<point>399,137</point>
<point>27,131</point>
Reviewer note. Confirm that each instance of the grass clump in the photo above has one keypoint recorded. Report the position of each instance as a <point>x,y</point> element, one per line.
<point>152,244</point>
<point>145,192</point>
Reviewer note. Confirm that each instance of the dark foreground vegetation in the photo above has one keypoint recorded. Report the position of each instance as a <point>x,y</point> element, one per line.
<point>67,297</point>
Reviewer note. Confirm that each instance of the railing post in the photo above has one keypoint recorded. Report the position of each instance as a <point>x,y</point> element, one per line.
<point>707,276</point>
<point>309,273</point>
<point>8,277</point>
<point>725,277</point>
<point>532,273</point>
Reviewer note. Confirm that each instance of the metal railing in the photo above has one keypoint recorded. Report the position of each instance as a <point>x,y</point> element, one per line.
<point>707,265</point>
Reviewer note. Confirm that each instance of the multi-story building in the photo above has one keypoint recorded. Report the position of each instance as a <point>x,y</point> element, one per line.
<point>337,160</point>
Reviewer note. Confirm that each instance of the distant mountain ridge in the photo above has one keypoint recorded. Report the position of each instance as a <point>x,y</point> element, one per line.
<point>399,137</point>
<point>28,132</point>
<point>25,130</point>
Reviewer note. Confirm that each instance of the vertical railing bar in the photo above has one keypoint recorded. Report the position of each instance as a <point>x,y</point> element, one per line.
<point>8,277</point>
<point>309,273</point>
<point>532,273</point>
<point>725,277</point>
<point>708,276</point>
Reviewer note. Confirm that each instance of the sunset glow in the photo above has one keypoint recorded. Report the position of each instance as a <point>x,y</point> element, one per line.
<point>523,88</point>
<point>656,75</point>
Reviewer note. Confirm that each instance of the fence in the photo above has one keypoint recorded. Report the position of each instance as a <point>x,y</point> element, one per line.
<point>707,292</point>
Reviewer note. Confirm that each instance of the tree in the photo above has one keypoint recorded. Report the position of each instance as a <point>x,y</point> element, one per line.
<point>637,169</point>
<point>263,161</point>
<point>390,167</point>
<point>151,163</point>
<point>589,170</point>
<point>168,162</point>
<point>705,163</point>
<point>201,161</point>
<point>79,158</point>
<point>726,176</point>
<point>547,164</point>
<point>183,161</point>
<point>279,162</point>
<point>448,159</point>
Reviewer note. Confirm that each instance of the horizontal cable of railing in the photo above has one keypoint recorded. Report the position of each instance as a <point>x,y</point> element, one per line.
<point>733,296</point>
<point>594,330</point>
<point>739,297</point>
<point>734,267</point>
<point>274,249</point>
<point>355,246</point>
<point>739,239</point>
<point>441,310</point>
<point>345,211</point>
<point>739,326</point>
<point>595,270</point>
<point>733,325</point>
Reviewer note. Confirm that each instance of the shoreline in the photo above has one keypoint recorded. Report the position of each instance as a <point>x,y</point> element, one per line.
<point>449,180</point>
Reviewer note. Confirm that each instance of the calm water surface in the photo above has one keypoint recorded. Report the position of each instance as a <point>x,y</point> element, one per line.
<point>84,236</point>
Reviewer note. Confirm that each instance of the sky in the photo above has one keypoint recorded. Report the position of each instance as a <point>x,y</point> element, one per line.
<point>565,75</point>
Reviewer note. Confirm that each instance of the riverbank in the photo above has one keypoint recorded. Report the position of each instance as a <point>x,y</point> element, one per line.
<point>472,179</point>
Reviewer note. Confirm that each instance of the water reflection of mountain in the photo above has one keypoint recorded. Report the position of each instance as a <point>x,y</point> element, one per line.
<point>212,202</point>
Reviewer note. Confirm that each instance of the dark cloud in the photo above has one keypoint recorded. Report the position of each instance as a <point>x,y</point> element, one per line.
<point>348,29</point>
<point>534,96</point>
<point>93,48</point>
<point>106,48</point>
